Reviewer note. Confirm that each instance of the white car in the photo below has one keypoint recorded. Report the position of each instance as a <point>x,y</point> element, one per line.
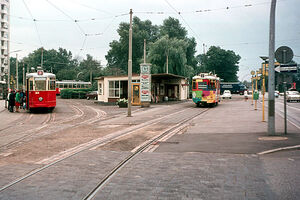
<point>226,94</point>
<point>292,96</point>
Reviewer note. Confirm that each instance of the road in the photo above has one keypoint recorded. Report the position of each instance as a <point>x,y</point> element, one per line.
<point>293,110</point>
<point>211,155</point>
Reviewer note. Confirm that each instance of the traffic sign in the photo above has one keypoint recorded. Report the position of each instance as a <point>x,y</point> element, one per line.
<point>292,68</point>
<point>284,54</point>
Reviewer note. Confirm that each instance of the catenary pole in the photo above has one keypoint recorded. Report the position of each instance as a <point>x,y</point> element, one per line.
<point>144,50</point>
<point>130,65</point>
<point>17,73</point>
<point>42,57</point>
<point>271,80</point>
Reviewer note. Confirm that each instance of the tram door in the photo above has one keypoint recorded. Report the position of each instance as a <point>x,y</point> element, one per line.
<point>27,94</point>
<point>136,100</point>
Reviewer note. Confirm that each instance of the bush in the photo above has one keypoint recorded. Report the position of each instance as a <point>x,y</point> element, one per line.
<point>74,93</point>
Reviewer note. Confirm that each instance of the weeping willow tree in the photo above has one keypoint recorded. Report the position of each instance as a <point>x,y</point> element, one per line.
<point>173,48</point>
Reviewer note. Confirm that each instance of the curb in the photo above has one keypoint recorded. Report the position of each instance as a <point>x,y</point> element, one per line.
<point>279,149</point>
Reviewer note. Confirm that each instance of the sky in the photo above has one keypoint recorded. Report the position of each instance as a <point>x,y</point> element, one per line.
<point>87,27</point>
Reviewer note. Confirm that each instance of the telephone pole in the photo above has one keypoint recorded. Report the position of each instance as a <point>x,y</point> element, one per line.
<point>271,82</point>
<point>130,65</point>
<point>17,74</point>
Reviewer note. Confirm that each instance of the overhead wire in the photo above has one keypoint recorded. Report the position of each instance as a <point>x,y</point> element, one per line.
<point>64,13</point>
<point>34,22</point>
<point>183,20</point>
<point>97,9</point>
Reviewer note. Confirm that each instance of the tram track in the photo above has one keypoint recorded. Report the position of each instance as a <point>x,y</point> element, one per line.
<point>104,140</point>
<point>50,120</point>
<point>181,125</point>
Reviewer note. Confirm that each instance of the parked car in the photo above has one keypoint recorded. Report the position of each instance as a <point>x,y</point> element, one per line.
<point>226,94</point>
<point>276,93</point>
<point>293,95</point>
<point>92,95</point>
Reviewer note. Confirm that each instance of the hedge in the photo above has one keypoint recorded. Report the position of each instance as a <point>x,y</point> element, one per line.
<point>74,93</point>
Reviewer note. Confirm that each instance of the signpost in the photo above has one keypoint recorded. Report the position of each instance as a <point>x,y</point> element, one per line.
<point>284,55</point>
<point>293,68</point>
<point>145,80</point>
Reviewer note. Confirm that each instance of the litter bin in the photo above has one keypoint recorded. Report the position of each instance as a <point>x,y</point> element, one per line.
<point>256,95</point>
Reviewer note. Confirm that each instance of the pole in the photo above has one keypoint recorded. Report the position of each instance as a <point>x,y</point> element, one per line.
<point>8,72</point>
<point>91,77</point>
<point>42,57</point>
<point>271,82</point>
<point>255,107</point>
<point>130,65</point>
<point>263,92</point>
<point>167,65</point>
<point>284,103</point>
<point>252,89</point>
<point>23,77</point>
<point>144,50</point>
<point>17,73</point>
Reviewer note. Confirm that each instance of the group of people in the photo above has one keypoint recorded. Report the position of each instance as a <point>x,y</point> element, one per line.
<point>16,99</point>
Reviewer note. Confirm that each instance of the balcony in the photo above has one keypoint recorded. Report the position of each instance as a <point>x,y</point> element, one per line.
<point>4,25</point>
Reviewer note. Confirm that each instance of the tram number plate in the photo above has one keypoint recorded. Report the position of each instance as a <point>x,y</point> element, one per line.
<point>37,92</point>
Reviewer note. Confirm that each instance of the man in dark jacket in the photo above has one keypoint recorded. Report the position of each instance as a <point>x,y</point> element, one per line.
<point>11,101</point>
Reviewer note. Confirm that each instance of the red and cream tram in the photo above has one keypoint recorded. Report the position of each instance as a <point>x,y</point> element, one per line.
<point>40,90</point>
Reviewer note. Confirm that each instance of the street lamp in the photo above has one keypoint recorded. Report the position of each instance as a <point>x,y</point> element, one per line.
<point>8,69</point>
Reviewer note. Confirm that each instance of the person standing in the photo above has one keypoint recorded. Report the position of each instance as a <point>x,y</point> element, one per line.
<point>18,101</point>
<point>11,101</point>
<point>246,95</point>
<point>7,99</point>
<point>21,99</point>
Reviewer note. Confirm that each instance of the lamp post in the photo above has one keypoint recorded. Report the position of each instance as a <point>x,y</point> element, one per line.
<point>271,78</point>
<point>8,69</point>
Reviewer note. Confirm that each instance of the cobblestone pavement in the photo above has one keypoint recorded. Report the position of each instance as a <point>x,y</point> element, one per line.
<point>215,157</point>
<point>189,176</point>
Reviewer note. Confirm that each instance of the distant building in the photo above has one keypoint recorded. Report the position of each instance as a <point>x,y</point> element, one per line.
<point>4,52</point>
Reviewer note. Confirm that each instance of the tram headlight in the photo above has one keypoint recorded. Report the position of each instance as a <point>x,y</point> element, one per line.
<point>40,98</point>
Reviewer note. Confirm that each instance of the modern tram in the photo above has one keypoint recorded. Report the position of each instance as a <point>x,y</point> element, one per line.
<point>40,90</point>
<point>71,84</point>
<point>206,89</point>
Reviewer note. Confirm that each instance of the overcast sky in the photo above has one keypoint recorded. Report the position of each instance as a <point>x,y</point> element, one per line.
<point>238,25</point>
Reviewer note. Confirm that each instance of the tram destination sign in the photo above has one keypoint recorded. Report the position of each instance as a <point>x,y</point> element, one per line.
<point>287,68</point>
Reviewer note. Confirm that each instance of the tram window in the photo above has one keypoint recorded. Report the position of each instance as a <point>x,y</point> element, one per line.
<point>70,85</point>
<point>40,85</point>
<point>194,84</point>
<point>61,85</point>
<point>75,85</point>
<point>65,85</point>
<point>202,85</point>
<point>52,85</point>
<point>31,85</point>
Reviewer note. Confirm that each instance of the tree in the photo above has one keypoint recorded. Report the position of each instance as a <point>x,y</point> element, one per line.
<point>175,49</point>
<point>117,56</point>
<point>173,29</point>
<point>222,62</point>
<point>88,66</point>
<point>53,61</point>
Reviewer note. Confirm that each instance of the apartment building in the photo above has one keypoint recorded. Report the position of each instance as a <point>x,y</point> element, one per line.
<point>4,45</point>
